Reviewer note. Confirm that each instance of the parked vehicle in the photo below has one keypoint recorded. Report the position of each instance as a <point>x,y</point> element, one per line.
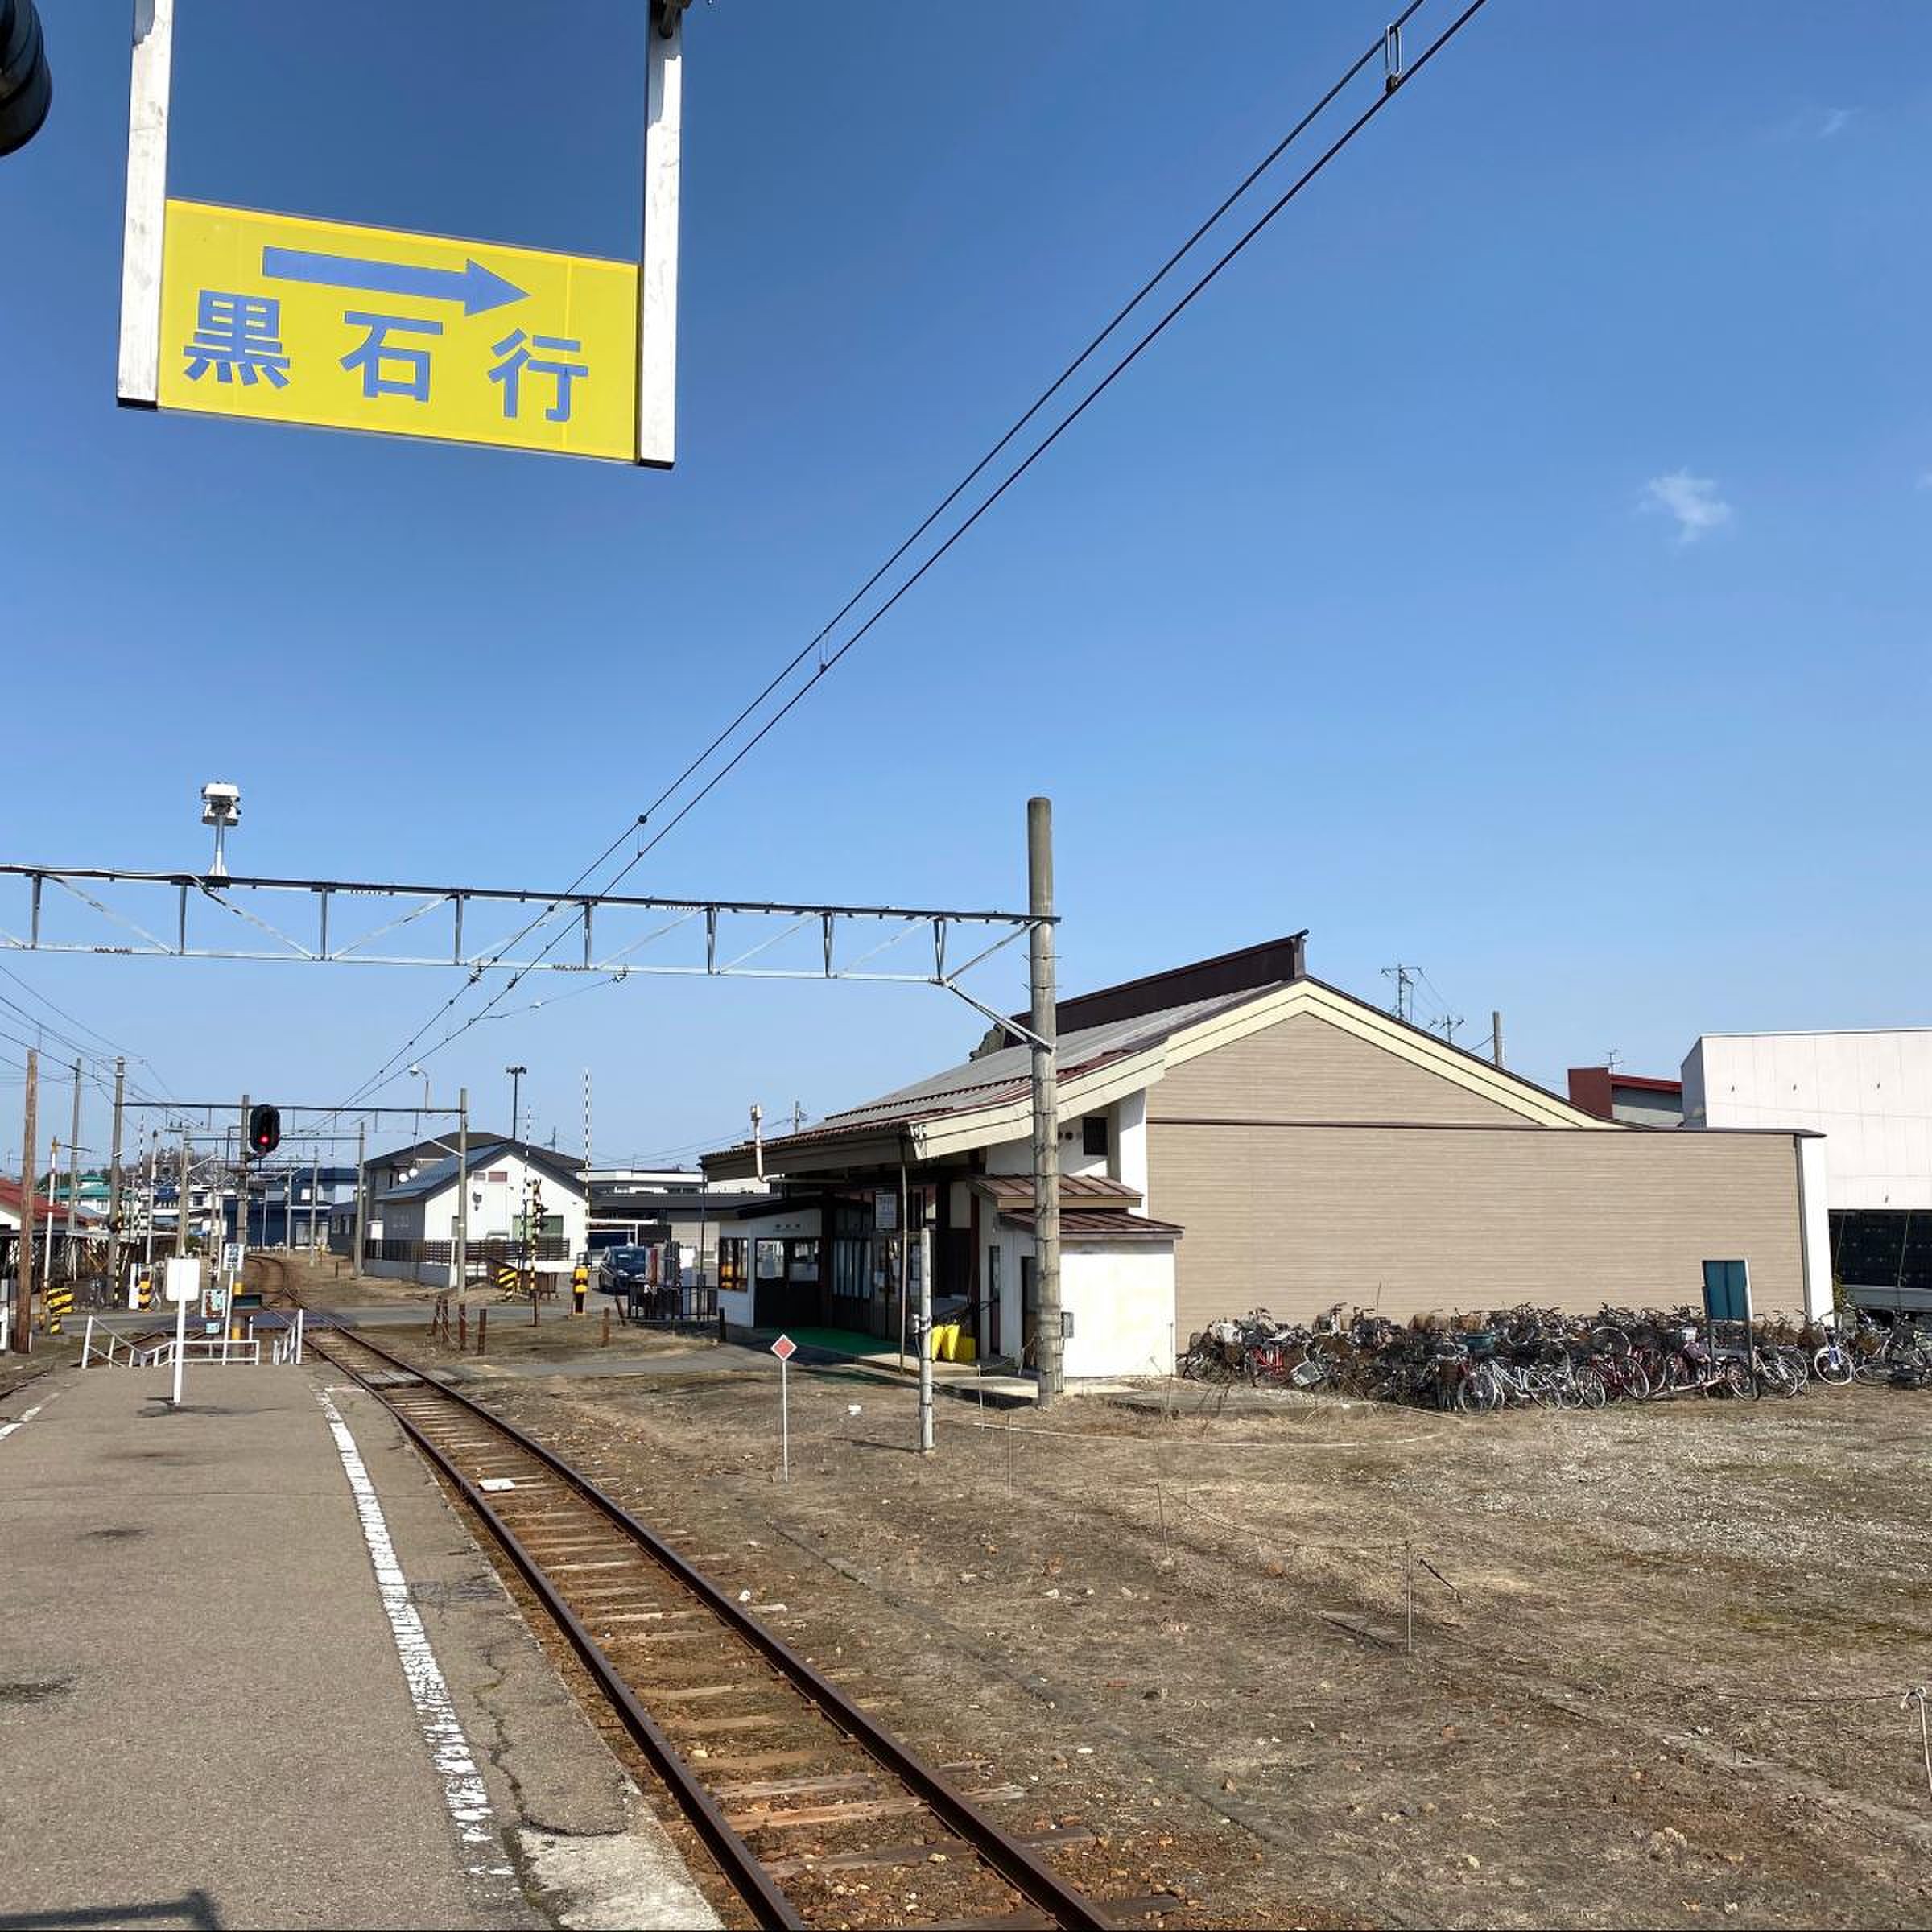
<point>625,1271</point>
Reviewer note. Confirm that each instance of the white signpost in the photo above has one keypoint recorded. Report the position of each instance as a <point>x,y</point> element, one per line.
<point>183,1284</point>
<point>785,1349</point>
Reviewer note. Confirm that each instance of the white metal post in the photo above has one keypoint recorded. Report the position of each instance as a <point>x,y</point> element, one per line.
<point>139,380</point>
<point>658,251</point>
<point>785,1415</point>
<point>180,1346</point>
<point>925,1340</point>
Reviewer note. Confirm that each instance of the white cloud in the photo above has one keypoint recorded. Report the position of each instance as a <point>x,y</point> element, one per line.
<point>1692,501</point>
<point>1816,123</point>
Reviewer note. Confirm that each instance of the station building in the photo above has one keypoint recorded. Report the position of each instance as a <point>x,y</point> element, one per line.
<point>1235,1133</point>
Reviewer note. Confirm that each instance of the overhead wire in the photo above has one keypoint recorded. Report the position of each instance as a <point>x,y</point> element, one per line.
<point>828,662</point>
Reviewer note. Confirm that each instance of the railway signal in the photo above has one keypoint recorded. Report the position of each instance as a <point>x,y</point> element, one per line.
<point>264,1130</point>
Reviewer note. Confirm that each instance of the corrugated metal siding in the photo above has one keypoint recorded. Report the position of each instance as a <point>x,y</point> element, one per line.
<point>1303,1068</point>
<point>1295,1218</point>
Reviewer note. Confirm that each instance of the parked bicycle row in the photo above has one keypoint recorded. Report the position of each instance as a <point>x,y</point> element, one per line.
<point>1545,1358</point>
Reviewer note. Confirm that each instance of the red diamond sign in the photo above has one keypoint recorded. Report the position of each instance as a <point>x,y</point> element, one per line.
<point>784,1348</point>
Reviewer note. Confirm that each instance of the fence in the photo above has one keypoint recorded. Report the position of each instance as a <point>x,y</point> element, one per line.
<point>694,1301</point>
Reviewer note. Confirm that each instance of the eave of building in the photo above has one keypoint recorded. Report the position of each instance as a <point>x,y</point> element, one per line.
<point>1008,1114</point>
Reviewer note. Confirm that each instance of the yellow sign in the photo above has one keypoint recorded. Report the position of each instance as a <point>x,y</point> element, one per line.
<point>290,321</point>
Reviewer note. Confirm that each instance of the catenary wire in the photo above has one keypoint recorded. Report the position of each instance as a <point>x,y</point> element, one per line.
<point>828,663</point>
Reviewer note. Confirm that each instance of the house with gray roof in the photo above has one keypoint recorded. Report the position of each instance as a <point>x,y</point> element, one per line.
<point>415,1203</point>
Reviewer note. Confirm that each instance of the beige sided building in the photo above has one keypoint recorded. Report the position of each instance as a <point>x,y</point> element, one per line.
<point>1235,1134</point>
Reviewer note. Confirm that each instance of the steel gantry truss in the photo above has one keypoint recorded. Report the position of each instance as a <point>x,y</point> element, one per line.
<point>613,932</point>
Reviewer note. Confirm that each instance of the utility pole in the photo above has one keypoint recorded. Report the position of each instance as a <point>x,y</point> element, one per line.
<point>462,1189</point>
<point>1496,1037</point>
<point>798,1115</point>
<point>516,1091</point>
<point>361,1234</point>
<point>47,1255</point>
<point>114,1184</point>
<point>242,1196</point>
<point>758,1137</point>
<point>315,1195</point>
<point>181,1201</point>
<point>1048,1335</point>
<point>74,1175</point>
<point>1404,989</point>
<point>22,1332</point>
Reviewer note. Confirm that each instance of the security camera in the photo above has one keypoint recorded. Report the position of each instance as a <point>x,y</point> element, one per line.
<point>221,803</point>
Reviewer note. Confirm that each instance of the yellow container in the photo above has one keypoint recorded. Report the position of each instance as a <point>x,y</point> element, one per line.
<point>944,1336</point>
<point>965,1349</point>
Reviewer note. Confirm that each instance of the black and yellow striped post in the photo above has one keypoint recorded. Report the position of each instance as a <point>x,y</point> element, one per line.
<point>58,1303</point>
<point>580,1286</point>
<point>144,1294</point>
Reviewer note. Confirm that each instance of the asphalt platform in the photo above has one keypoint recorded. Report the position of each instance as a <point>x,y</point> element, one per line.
<point>255,1672</point>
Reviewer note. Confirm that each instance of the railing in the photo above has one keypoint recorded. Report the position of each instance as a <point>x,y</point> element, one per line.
<point>668,1307</point>
<point>117,1349</point>
<point>288,1343</point>
<point>219,1349</point>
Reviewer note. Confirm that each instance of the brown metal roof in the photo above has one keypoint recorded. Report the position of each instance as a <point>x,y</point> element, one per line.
<point>1102,1224</point>
<point>1076,1190</point>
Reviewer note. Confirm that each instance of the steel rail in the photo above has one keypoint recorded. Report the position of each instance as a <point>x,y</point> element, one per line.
<point>735,1858</point>
<point>1035,1882</point>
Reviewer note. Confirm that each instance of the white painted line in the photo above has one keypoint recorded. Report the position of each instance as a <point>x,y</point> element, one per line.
<point>27,1415</point>
<point>463,1788</point>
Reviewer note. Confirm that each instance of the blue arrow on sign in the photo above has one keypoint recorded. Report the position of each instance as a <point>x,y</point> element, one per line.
<point>474,286</point>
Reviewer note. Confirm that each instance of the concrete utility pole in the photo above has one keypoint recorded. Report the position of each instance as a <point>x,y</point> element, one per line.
<point>315,1197</point>
<point>113,1185</point>
<point>361,1234</point>
<point>1496,1037</point>
<point>73,1174</point>
<point>22,1332</point>
<point>241,1197</point>
<point>53,1175</point>
<point>1047,1335</point>
<point>462,1189</point>
<point>516,1098</point>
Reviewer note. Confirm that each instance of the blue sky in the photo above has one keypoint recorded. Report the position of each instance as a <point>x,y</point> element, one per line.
<point>1517,563</point>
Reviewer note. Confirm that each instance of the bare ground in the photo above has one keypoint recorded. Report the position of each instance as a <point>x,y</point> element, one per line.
<point>1663,1689</point>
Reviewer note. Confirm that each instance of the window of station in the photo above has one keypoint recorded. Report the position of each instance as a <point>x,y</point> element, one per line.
<point>1094,1136</point>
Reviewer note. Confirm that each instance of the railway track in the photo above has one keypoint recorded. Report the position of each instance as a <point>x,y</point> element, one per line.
<point>803,1800</point>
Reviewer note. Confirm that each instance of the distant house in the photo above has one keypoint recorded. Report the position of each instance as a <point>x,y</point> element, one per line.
<point>415,1204</point>
<point>1636,1099</point>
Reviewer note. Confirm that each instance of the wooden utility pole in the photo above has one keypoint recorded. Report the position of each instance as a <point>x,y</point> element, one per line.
<point>181,1199</point>
<point>1496,1036</point>
<point>1047,1336</point>
<point>22,1332</point>
<point>114,1185</point>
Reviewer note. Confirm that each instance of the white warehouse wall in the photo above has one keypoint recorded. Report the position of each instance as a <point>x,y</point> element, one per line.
<point>1869,1093</point>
